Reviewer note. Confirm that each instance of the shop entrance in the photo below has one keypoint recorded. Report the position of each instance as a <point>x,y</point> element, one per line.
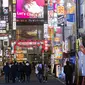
<point>31,50</point>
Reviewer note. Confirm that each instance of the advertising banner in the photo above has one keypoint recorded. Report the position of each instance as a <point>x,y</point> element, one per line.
<point>71,17</point>
<point>30,8</point>
<point>61,19</point>
<point>2,24</point>
<point>60,10</point>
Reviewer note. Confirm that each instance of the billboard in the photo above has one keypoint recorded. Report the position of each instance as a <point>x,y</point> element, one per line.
<point>30,9</point>
<point>29,32</point>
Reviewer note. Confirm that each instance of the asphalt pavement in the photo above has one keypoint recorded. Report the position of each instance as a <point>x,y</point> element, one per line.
<point>51,81</point>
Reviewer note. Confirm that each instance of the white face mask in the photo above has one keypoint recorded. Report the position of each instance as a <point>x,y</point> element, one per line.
<point>27,64</point>
<point>10,65</point>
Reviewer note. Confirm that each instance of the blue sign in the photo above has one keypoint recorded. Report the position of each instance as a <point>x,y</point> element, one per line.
<point>71,17</point>
<point>50,7</point>
<point>72,59</point>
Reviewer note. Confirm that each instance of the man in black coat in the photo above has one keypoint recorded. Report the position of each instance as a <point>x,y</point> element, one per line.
<point>68,70</point>
<point>6,70</point>
<point>28,70</point>
<point>13,72</point>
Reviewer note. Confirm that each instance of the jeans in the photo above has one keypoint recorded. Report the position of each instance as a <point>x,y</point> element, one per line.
<point>40,77</point>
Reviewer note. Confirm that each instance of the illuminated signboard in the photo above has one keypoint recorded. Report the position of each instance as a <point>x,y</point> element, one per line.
<point>2,24</point>
<point>30,9</point>
<point>60,10</point>
<point>14,2</point>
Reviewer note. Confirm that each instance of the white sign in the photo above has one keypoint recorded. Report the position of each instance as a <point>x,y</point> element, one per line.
<point>2,24</point>
<point>3,38</point>
<point>14,17</point>
<point>2,31</point>
<point>14,25</point>
<point>0,52</point>
<point>45,30</point>
<point>5,3</point>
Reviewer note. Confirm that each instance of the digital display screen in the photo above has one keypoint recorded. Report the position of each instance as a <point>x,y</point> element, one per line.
<point>30,9</point>
<point>33,32</point>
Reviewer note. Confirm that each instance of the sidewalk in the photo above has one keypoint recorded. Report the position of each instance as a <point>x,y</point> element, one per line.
<point>59,79</point>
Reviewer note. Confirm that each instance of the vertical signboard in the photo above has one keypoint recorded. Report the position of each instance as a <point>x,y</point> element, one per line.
<point>5,9</point>
<point>45,31</point>
<point>14,14</point>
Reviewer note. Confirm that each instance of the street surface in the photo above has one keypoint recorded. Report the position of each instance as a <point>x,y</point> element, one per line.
<point>34,81</point>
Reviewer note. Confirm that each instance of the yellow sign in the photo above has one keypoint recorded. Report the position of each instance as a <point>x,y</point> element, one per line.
<point>19,55</point>
<point>14,1</point>
<point>71,10</point>
<point>60,10</point>
<point>77,45</point>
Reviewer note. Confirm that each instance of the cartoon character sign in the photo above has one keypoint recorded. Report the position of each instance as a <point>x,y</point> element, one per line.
<point>30,8</point>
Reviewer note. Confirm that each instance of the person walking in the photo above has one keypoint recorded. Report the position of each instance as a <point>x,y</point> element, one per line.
<point>20,72</point>
<point>40,72</point>
<point>6,70</point>
<point>14,72</point>
<point>36,70</point>
<point>23,71</point>
<point>28,70</point>
<point>68,70</point>
<point>46,69</point>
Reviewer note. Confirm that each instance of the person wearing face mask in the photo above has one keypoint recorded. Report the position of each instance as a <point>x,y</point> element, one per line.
<point>28,71</point>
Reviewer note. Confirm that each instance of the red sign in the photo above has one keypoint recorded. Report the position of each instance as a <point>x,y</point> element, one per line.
<point>32,43</point>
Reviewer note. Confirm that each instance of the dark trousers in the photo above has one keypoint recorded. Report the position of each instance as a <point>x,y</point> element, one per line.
<point>40,77</point>
<point>7,78</point>
<point>68,80</point>
<point>28,78</point>
<point>23,77</point>
<point>13,78</point>
<point>80,80</point>
<point>45,78</point>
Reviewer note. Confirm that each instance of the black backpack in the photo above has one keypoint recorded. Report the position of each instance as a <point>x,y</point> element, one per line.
<point>39,68</point>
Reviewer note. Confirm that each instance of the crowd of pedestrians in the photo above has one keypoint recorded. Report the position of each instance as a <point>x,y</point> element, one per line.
<point>20,72</point>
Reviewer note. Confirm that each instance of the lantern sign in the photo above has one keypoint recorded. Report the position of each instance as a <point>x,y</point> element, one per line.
<point>46,45</point>
<point>29,43</point>
<point>32,44</point>
<point>60,10</point>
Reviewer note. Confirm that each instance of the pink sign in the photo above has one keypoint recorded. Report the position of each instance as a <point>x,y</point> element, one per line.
<point>30,8</point>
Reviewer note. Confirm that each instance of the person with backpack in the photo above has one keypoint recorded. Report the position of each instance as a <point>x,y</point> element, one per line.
<point>40,72</point>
